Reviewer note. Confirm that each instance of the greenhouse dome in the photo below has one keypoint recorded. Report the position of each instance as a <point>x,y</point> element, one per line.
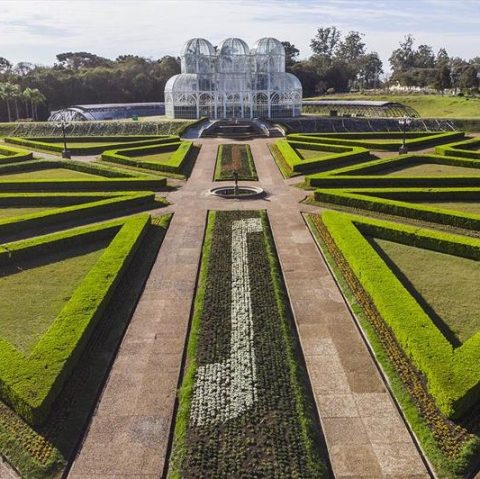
<point>233,81</point>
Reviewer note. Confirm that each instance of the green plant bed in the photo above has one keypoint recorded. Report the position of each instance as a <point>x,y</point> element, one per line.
<point>411,170</point>
<point>13,155</point>
<point>468,149</point>
<point>450,448</point>
<point>19,218</point>
<point>71,175</point>
<point>89,145</point>
<point>422,272</point>
<point>48,174</point>
<point>437,205</point>
<point>244,407</point>
<point>452,372</point>
<point>169,157</point>
<point>234,157</point>
<point>43,452</point>
<point>329,156</point>
<point>30,383</point>
<point>390,141</point>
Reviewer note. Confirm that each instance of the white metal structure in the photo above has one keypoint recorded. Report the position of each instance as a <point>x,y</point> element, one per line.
<point>233,81</point>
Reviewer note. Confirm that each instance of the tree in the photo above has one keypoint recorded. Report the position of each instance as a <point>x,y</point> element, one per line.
<point>371,67</point>
<point>77,60</point>
<point>291,54</point>
<point>7,93</point>
<point>352,48</point>
<point>325,42</point>
<point>23,68</point>
<point>36,98</point>
<point>5,66</point>
<point>403,58</point>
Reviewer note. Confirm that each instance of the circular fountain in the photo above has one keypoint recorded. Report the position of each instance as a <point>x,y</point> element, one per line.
<point>236,192</point>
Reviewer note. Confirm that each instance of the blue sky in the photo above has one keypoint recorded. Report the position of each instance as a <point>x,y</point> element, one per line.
<point>36,30</point>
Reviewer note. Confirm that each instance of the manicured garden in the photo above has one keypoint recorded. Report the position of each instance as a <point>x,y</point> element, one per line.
<point>234,158</point>
<point>244,409</point>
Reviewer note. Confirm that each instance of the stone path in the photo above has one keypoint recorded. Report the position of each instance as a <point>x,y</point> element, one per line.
<point>129,432</point>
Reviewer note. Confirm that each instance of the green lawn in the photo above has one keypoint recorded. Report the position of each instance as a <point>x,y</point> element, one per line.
<point>85,144</point>
<point>32,294</point>
<point>426,105</point>
<point>447,286</point>
<point>11,211</point>
<point>432,169</point>
<point>465,206</point>
<point>48,174</point>
<point>156,158</point>
<point>307,153</point>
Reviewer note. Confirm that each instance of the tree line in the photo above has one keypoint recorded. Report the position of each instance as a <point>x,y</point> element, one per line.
<point>339,63</point>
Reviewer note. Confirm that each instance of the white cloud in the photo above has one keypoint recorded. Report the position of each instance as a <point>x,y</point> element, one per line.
<point>37,30</point>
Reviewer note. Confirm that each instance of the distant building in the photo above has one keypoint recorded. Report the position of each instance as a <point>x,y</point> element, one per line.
<point>233,81</point>
<point>107,111</point>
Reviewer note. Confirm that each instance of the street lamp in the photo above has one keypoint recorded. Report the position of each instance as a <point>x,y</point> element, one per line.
<point>64,124</point>
<point>404,124</point>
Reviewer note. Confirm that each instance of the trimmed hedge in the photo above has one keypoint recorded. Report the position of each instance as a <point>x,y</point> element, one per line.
<point>71,207</point>
<point>175,163</point>
<point>115,179</point>
<point>13,155</point>
<point>55,143</point>
<point>453,375</point>
<point>361,175</point>
<point>466,149</point>
<point>30,385</point>
<point>388,140</point>
<point>340,156</point>
<point>394,202</point>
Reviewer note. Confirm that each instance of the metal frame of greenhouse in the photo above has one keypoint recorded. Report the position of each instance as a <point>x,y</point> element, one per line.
<point>233,81</point>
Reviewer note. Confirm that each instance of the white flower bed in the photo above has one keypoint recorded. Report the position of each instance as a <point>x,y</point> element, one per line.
<point>225,390</point>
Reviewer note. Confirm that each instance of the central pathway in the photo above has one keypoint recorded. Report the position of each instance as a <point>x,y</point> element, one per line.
<point>129,433</point>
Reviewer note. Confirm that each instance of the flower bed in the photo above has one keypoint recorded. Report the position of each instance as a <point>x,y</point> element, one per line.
<point>235,157</point>
<point>244,411</point>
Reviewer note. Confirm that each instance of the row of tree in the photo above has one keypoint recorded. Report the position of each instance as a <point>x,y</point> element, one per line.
<point>339,63</point>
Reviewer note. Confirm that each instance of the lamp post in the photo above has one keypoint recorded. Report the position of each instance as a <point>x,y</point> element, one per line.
<point>64,124</point>
<point>404,124</point>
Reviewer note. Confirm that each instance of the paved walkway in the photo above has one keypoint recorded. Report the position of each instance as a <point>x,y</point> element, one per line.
<point>129,432</point>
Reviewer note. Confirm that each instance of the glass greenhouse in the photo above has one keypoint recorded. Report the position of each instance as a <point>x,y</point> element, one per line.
<point>233,81</point>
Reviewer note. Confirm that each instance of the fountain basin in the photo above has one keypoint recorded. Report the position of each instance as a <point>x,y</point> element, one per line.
<point>243,192</point>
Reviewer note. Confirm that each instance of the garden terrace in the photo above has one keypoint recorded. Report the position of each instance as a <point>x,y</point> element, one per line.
<point>412,318</point>
<point>44,451</point>
<point>89,145</point>
<point>32,375</point>
<point>392,141</point>
<point>458,207</point>
<point>243,407</point>
<point>70,175</point>
<point>467,149</point>
<point>168,157</point>
<point>403,171</point>
<point>292,157</point>
<point>235,157</point>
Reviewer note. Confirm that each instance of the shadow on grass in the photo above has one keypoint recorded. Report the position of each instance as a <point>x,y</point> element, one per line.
<point>60,436</point>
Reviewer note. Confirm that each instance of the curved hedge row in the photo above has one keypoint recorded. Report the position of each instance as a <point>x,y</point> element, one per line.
<point>466,149</point>
<point>12,155</point>
<point>55,143</point>
<point>390,141</point>
<point>69,207</point>
<point>453,375</point>
<point>390,202</point>
<point>127,156</point>
<point>340,156</point>
<point>115,179</point>
<point>30,384</point>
